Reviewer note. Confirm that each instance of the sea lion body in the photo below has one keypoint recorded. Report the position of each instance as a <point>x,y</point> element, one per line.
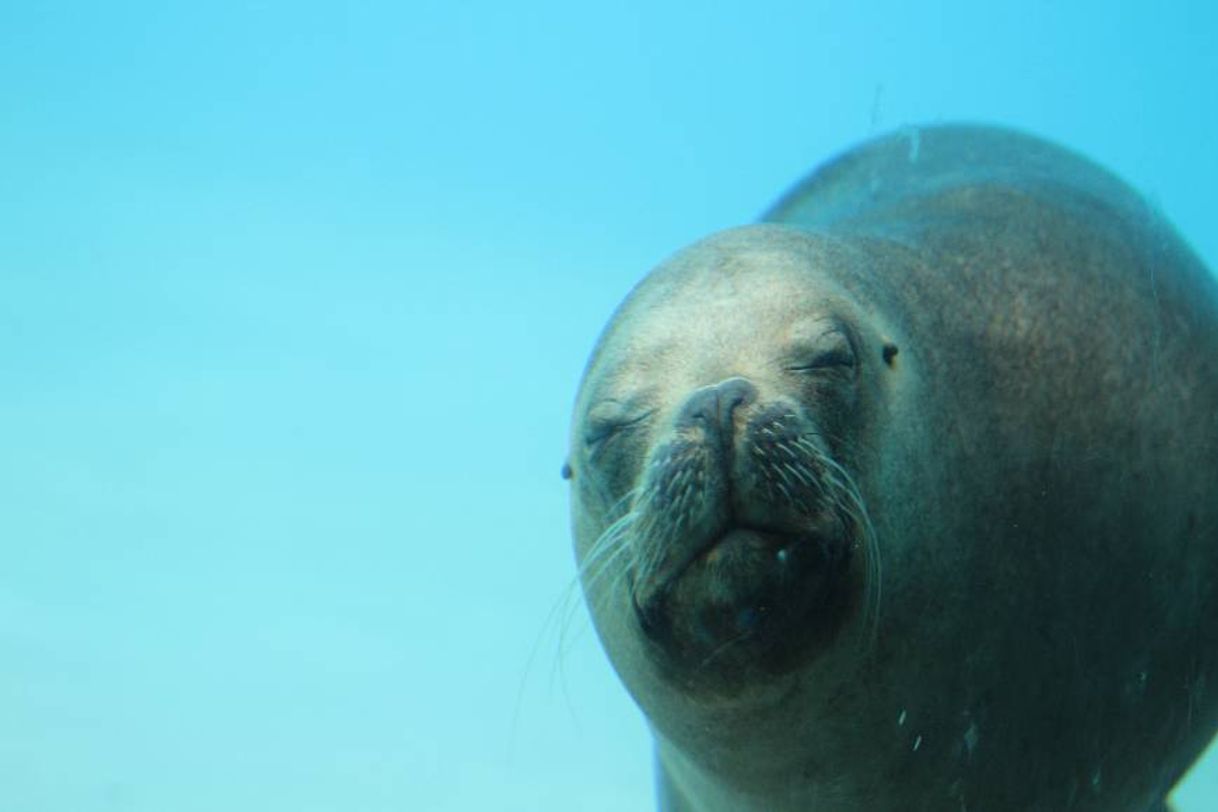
<point>907,498</point>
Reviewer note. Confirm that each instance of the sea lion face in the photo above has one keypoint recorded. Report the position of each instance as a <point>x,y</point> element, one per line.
<point>722,533</point>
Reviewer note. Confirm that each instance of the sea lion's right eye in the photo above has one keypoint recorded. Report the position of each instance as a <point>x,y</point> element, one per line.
<point>608,419</point>
<point>597,431</point>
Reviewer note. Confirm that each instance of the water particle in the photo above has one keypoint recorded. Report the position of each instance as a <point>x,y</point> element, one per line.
<point>971,737</point>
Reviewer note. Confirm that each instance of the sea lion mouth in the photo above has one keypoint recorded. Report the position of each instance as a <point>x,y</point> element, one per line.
<point>748,592</point>
<point>741,536</point>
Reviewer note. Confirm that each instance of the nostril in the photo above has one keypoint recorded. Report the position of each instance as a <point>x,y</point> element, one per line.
<point>700,407</point>
<point>714,405</point>
<point>733,393</point>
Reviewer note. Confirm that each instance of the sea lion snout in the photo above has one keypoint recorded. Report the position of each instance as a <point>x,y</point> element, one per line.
<point>741,539</point>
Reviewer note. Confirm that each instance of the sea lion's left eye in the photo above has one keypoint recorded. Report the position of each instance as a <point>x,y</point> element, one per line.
<point>831,350</point>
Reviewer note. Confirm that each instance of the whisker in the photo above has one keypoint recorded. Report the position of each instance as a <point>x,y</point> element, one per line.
<point>856,509</point>
<point>721,648</point>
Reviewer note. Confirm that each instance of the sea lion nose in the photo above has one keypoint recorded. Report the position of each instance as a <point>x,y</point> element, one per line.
<point>713,406</point>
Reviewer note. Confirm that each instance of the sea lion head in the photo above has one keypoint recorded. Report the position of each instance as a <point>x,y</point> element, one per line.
<point>721,450</point>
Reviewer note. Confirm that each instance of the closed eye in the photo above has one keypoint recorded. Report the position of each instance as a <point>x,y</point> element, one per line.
<point>599,428</point>
<point>839,357</point>
<point>832,350</point>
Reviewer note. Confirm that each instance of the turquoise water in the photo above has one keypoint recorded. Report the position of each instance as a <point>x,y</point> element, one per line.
<point>293,304</point>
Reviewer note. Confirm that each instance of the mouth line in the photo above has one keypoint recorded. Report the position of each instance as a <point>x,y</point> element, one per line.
<point>779,541</point>
<point>760,591</point>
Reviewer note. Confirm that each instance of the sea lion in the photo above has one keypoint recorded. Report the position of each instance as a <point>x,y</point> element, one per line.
<point>906,498</point>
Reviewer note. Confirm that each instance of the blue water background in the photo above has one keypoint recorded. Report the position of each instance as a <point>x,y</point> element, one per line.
<point>294,298</point>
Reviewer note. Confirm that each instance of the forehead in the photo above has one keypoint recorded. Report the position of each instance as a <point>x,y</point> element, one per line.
<point>722,308</point>
<point>733,296</point>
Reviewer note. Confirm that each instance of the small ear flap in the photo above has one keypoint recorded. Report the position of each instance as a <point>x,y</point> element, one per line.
<point>890,352</point>
<point>567,473</point>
